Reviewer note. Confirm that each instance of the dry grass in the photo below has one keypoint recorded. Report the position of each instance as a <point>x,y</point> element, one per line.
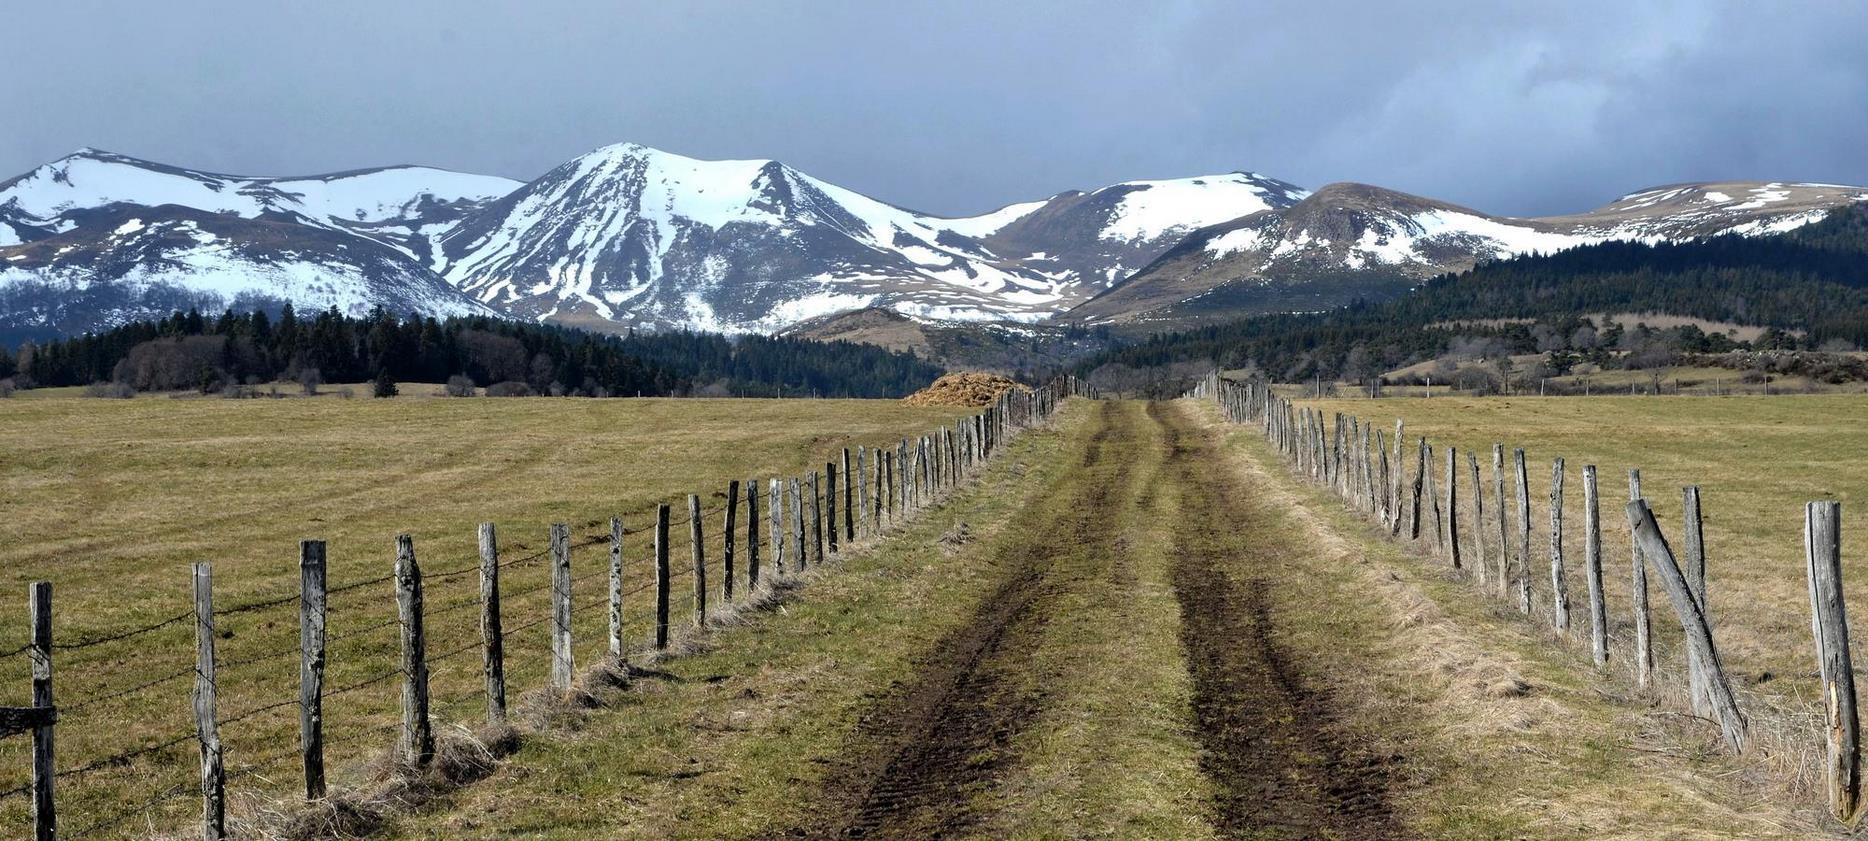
<point>1756,460</point>
<point>111,500</point>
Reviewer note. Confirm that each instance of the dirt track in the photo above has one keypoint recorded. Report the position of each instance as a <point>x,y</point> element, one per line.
<point>1269,741</point>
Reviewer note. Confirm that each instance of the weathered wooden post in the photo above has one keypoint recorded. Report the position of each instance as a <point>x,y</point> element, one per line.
<point>1433,500</point>
<point>1524,530</point>
<point>861,476</point>
<point>311,624</point>
<point>563,664</point>
<point>207,721</point>
<point>418,735</point>
<point>1420,478</point>
<point>1452,510</point>
<point>1478,520</point>
<point>797,526</point>
<point>1644,635</point>
<point>817,520</point>
<point>697,539</point>
<point>893,502</point>
<point>726,550</point>
<point>1829,623</point>
<point>1693,566</point>
<point>1592,562</point>
<point>1504,521</point>
<point>1693,622</point>
<point>830,504</point>
<point>616,592</point>
<point>776,501</point>
<point>1399,476</point>
<point>752,536</point>
<point>44,736</point>
<point>492,635</point>
<point>662,577</point>
<point>1560,593</point>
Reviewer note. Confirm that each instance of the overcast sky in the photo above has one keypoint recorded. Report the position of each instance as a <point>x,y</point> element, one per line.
<point>1511,107</point>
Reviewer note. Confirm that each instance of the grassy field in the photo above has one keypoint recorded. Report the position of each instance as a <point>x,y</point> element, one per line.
<point>1756,461</point>
<point>111,500</point>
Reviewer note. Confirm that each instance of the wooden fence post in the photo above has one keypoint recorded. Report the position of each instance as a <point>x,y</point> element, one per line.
<point>616,592</point>
<point>726,550</point>
<point>1693,566</point>
<point>801,552</point>
<point>1399,469</point>
<point>1478,519</point>
<point>1420,478</point>
<point>775,500</point>
<point>1560,593</point>
<point>1524,530</point>
<point>1433,500</point>
<point>862,487</point>
<point>1592,562</point>
<point>1829,623</point>
<point>207,721</point>
<point>492,635</point>
<point>311,624</point>
<point>885,493</point>
<point>817,521</point>
<point>830,503</point>
<point>418,735</point>
<point>1504,521</point>
<point>44,748</point>
<point>1693,622</point>
<point>849,498</point>
<point>697,541</point>
<point>752,536</point>
<point>1644,634</point>
<point>563,663</point>
<point>662,577</point>
<point>1452,510</point>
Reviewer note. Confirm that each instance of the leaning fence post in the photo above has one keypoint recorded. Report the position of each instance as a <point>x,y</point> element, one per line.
<point>1829,623</point>
<point>1592,563</point>
<point>662,576</point>
<point>563,664</point>
<point>616,592</point>
<point>1420,478</point>
<point>726,550</point>
<point>802,560</point>
<point>1478,520</point>
<point>311,623</point>
<point>1644,634</point>
<point>1452,510</point>
<point>1504,521</point>
<point>44,752</point>
<point>1697,630</point>
<point>207,723</point>
<point>418,735</point>
<point>696,541</point>
<point>492,636</point>
<point>817,521</point>
<point>1559,590</point>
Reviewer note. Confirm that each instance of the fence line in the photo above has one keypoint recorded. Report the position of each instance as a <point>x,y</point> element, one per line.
<point>805,528</point>
<point>1337,461</point>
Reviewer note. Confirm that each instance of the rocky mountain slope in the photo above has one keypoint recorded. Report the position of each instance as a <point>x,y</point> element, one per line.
<point>628,236</point>
<point>1349,241</point>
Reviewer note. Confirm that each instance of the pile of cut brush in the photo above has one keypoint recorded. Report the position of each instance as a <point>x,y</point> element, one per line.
<point>967,388</point>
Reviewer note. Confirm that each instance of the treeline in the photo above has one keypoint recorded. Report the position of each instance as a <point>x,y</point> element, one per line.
<point>190,350</point>
<point>1808,287</point>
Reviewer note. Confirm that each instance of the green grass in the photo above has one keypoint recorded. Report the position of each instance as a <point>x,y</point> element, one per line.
<point>112,500</point>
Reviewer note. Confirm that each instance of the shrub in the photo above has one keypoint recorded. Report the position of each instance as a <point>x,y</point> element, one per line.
<point>460,385</point>
<point>509,388</point>
<point>6,388</point>
<point>309,379</point>
<point>109,390</point>
<point>383,385</point>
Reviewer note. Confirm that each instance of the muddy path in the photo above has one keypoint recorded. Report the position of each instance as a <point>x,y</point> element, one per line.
<point>1282,765</point>
<point>925,752</point>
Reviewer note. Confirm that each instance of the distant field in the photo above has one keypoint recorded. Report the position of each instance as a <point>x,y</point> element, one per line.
<point>1757,460</point>
<point>113,499</point>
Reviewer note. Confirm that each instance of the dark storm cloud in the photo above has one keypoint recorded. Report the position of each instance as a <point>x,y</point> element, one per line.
<point>1520,108</point>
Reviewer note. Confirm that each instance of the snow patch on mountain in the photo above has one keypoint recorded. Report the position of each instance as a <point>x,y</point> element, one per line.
<point>1152,209</point>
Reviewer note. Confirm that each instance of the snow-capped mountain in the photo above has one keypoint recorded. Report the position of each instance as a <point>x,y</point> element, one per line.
<point>1349,241</point>
<point>628,236</point>
<point>95,239</point>
<point>633,235</point>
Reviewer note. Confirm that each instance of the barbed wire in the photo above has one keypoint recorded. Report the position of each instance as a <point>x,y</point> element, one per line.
<point>123,758</point>
<point>115,636</point>
<point>168,794</point>
<point>130,690</point>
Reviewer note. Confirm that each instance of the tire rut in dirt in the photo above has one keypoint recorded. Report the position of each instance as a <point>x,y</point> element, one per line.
<point>924,753</point>
<point>1280,765</point>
